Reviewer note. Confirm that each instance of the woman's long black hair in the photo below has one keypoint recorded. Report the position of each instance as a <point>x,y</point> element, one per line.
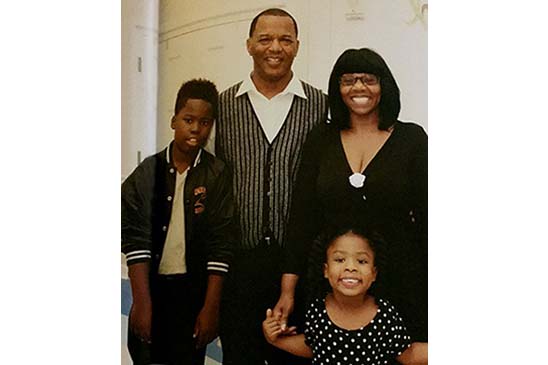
<point>363,60</point>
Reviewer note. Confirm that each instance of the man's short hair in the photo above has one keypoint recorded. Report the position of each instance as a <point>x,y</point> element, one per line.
<point>275,12</point>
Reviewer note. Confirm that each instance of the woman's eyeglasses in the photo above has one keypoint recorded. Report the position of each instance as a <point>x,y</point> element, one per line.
<point>366,79</point>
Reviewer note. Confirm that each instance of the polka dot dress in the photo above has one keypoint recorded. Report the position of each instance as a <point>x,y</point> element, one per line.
<point>382,339</point>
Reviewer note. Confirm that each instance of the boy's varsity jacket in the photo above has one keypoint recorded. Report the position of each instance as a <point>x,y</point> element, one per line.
<point>147,196</point>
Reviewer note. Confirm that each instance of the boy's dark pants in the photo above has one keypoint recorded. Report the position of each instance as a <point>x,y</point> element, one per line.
<point>174,311</point>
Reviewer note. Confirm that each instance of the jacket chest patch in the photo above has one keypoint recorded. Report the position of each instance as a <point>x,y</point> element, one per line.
<point>200,194</point>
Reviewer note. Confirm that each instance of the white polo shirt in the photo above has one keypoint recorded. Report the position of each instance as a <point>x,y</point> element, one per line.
<point>272,112</point>
<point>173,259</point>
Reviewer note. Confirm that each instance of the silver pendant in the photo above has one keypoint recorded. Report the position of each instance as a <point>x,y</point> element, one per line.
<point>356,180</point>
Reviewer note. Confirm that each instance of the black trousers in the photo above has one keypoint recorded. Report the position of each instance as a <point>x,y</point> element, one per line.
<point>253,286</point>
<point>174,312</point>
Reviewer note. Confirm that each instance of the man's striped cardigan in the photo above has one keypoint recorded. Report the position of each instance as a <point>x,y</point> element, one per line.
<point>263,172</point>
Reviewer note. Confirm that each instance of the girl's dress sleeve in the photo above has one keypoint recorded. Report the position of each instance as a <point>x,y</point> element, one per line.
<point>399,339</point>
<point>309,336</point>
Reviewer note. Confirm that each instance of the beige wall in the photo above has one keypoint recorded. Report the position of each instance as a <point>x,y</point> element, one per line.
<point>139,71</point>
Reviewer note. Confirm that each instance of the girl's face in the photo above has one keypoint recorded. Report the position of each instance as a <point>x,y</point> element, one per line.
<point>361,92</point>
<point>350,266</point>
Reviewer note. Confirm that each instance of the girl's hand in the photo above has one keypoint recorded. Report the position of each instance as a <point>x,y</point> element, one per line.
<point>272,327</point>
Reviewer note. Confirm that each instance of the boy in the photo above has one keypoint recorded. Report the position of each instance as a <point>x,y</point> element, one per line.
<point>177,235</point>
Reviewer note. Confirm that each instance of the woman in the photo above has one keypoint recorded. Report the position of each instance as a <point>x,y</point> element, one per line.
<point>365,167</point>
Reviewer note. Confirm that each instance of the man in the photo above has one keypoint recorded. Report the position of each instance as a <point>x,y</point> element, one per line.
<point>263,123</point>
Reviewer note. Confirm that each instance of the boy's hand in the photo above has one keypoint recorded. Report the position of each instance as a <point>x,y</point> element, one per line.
<point>140,319</point>
<point>206,327</point>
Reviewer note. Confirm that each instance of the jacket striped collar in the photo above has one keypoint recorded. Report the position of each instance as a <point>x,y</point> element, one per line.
<point>168,155</point>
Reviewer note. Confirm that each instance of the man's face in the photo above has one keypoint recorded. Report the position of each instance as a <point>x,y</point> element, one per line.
<point>273,46</point>
<point>192,125</point>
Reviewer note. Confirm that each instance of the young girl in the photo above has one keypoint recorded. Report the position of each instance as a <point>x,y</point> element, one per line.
<point>349,325</point>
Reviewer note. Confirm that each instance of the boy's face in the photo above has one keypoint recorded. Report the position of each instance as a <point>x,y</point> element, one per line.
<point>192,125</point>
<point>350,266</point>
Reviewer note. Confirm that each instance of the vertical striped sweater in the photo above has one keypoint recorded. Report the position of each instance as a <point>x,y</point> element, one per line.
<point>264,173</point>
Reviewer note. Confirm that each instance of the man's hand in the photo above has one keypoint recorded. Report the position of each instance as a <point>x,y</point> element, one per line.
<point>283,309</point>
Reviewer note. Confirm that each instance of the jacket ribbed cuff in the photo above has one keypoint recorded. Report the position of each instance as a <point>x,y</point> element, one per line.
<point>136,256</point>
<point>216,266</point>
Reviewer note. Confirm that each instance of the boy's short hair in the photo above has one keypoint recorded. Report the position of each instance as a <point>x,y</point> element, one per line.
<point>198,89</point>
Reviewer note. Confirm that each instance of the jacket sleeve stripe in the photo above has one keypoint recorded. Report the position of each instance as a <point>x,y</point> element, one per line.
<point>140,254</point>
<point>216,263</point>
<point>217,266</point>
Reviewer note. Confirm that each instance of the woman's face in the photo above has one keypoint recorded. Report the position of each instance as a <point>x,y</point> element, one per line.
<point>361,92</point>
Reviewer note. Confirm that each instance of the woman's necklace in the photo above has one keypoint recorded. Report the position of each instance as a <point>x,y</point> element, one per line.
<point>357,179</point>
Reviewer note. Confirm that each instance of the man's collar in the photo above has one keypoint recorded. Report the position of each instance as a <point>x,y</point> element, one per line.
<point>294,87</point>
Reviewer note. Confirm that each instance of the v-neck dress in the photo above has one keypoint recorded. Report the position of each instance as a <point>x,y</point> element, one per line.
<point>379,342</point>
<point>393,201</point>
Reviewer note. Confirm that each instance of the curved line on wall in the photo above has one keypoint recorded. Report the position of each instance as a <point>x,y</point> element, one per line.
<point>249,14</point>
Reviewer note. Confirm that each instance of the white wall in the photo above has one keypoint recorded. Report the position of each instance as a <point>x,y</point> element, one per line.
<point>206,38</point>
<point>139,63</point>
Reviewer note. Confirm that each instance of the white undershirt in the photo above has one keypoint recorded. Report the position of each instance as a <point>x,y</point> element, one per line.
<point>173,256</point>
<point>272,112</point>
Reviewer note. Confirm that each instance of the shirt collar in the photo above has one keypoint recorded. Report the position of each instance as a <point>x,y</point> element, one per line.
<point>196,160</point>
<point>294,87</point>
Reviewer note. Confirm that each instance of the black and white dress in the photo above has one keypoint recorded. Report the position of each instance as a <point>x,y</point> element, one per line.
<point>381,340</point>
